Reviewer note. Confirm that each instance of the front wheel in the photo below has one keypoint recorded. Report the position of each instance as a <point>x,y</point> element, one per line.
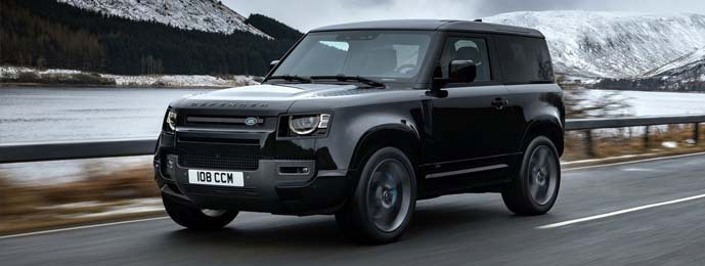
<point>385,197</point>
<point>195,218</point>
<point>534,189</point>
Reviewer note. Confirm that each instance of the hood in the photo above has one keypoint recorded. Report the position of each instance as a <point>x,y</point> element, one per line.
<point>265,98</point>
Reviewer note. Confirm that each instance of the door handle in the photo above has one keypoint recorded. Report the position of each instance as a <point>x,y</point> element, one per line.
<point>500,103</point>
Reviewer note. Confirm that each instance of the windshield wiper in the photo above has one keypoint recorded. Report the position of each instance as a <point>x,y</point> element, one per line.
<point>292,78</point>
<point>363,80</point>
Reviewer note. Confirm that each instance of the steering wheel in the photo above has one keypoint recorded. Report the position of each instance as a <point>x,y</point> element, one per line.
<point>404,69</point>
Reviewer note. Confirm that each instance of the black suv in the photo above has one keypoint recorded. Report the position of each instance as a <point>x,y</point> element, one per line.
<point>361,120</point>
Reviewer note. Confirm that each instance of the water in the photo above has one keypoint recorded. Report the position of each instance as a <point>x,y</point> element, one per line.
<point>645,103</point>
<point>39,114</point>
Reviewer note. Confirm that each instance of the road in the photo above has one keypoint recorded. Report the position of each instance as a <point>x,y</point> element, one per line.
<point>452,230</point>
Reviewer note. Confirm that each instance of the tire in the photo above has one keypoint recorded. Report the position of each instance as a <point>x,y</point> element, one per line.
<point>535,186</point>
<point>195,218</point>
<point>380,209</point>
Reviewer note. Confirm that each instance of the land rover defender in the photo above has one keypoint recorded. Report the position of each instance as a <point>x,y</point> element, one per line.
<point>362,120</point>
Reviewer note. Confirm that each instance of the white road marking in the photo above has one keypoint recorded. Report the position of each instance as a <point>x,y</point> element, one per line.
<point>80,227</point>
<point>615,213</point>
<point>634,162</point>
<point>540,227</point>
<point>637,169</point>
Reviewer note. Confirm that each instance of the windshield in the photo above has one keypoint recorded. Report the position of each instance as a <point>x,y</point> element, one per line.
<point>382,55</point>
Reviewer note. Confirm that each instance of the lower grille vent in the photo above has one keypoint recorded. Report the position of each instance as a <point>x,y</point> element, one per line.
<point>231,162</point>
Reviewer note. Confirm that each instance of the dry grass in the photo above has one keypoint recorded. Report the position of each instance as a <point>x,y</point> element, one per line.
<point>618,143</point>
<point>23,206</point>
<point>135,182</point>
<point>27,208</point>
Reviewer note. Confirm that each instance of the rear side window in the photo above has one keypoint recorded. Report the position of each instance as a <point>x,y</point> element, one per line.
<point>524,60</point>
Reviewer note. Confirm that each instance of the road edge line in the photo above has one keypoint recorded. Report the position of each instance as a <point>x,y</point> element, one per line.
<point>80,227</point>
<point>633,161</point>
<point>165,217</point>
<point>620,212</point>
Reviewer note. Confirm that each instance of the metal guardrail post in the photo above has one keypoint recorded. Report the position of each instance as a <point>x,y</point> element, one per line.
<point>589,144</point>
<point>647,141</point>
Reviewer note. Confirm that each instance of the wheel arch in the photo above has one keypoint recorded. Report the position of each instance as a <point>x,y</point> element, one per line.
<point>399,136</point>
<point>548,127</point>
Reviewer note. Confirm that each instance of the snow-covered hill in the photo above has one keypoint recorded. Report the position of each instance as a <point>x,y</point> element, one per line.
<point>610,44</point>
<point>690,66</point>
<point>203,15</point>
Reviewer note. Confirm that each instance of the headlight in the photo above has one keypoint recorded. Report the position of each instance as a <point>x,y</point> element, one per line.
<point>307,124</point>
<point>171,120</point>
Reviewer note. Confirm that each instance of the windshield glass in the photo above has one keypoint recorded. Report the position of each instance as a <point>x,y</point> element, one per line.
<point>382,55</point>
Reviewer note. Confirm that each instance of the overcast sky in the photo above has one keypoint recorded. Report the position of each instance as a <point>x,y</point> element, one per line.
<point>307,14</point>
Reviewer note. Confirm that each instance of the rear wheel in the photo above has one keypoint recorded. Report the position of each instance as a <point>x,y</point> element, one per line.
<point>534,189</point>
<point>195,218</point>
<point>384,200</point>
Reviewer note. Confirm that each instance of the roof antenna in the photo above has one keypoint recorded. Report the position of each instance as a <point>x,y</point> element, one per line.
<point>478,20</point>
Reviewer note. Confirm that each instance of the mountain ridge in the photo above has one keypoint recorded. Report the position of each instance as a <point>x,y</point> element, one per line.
<point>615,45</point>
<point>203,15</point>
<point>47,34</point>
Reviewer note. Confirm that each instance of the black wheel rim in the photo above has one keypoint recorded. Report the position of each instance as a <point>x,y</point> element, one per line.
<point>542,175</point>
<point>213,213</point>
<point>388,195</point>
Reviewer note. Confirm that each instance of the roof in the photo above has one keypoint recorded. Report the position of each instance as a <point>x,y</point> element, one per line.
<point>433,25</point>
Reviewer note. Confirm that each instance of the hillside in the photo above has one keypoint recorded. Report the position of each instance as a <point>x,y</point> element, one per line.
<point>686,73</point>
<point>274,28</point>
<point>203,15</point>
<point>47,34</point>
<point>688,66</point>
<point>609,44</point>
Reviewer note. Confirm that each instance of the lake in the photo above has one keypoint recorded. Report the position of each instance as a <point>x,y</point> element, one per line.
<point>40,114</point>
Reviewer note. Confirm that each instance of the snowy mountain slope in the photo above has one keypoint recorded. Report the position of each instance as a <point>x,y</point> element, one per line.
<point>693,63</point>
<point>610,44</point>
<point>203,15</point>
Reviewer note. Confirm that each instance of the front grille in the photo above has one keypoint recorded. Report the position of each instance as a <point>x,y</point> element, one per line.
<point>227,122</point>
<point>230,162</point>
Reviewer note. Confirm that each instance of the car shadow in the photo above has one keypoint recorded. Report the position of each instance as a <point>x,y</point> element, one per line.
<point>322,232</point>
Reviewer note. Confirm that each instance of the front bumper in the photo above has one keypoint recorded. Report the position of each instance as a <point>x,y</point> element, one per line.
<point>266,189</point>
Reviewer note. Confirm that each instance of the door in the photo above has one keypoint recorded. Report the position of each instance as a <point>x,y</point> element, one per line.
<point>470,127</point>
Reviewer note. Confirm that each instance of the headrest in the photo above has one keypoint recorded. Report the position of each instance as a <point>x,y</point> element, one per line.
<point>467,53</point>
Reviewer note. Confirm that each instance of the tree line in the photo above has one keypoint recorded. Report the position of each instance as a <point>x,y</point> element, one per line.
<point>48,34</point>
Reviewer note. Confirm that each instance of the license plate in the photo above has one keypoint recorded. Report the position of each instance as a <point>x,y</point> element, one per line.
<point>216,178</point>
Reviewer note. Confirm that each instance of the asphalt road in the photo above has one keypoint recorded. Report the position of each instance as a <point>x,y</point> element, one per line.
<point>453,230</point>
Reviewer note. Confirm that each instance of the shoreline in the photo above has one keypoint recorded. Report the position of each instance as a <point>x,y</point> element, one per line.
<point>88,86</point>
<point>32,77</point>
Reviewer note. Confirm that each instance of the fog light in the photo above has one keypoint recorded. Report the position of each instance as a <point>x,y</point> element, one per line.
<point>293,170</point>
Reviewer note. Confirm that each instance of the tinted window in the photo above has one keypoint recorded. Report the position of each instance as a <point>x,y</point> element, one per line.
<point>467,49</point>
<point>524,60</point>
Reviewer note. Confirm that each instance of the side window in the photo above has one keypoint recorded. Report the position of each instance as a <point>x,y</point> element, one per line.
<point>524,60</point>
<point>467,49</point>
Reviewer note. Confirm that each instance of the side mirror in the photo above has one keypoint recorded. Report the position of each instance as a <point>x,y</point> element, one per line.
<point>462,71</point>
<point>273,64</point>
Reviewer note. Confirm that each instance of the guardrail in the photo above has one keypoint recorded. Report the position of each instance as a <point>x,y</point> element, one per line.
<point>30,152</point>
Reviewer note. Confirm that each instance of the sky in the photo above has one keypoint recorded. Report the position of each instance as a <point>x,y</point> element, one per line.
<point>308,14</point>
